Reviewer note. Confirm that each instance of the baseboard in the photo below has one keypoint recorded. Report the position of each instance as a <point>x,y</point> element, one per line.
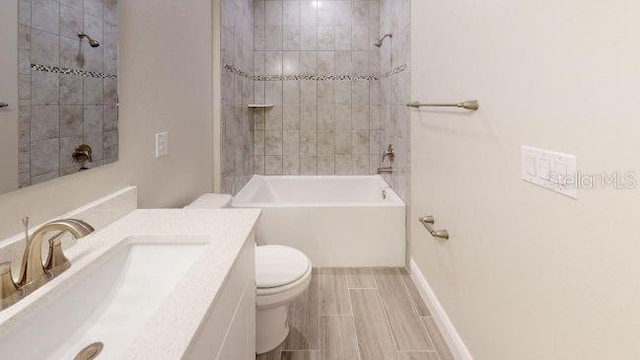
<point>440,317</point>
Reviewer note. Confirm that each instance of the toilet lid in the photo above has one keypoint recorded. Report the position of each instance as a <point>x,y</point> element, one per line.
<point>278,265</point>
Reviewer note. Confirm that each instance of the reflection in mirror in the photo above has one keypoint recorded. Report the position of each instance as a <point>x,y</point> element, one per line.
<point>67,115</point>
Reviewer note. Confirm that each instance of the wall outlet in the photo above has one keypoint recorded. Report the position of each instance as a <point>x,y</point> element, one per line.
<point>549,169</point>
<point>162,144</point>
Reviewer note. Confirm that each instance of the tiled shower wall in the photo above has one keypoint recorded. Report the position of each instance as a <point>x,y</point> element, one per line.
<point>395,91</point>
<point>338,100</point>
<point>237,92</point>
<point>67,89</point>
<point>323,125</point>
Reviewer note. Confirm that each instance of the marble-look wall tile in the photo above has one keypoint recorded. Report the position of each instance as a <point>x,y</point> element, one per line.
<point>93,91</point>
<point>45,123</point>
<point>273,142</point>
<point>24,12</point>
<point>308,62</point>
<point>273,165</point>
<point>319,126</point>
<point>291,152</point>
<point>326,37</point>
<point>45,88</point>
<point>291,116</point>
<point>45,48</point>
<point>45,16</point>
<point>71,121</point>
<point>343,13</point>
<point>343,164</point>
<point>243,39</point>
<point>96,141</point>
<point>44,156</point>
<point>394,92</point>
<point>291,36</point>
<point>291,12</point>
<point>71,22</point>
<point>93,119</point>
<point>24,87</point>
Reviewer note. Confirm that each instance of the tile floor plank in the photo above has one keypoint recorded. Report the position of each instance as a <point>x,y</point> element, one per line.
<point>414,294</point>
<point>438,340</point>
<point>338,338</point>
<point>418,355</point>
<point>334,294</point>
<point>271,355</point>
<point>360,278</point>
<point>375,340</point>
<point>304,318</point>
<point>408,331</point>
<point>300,355</point>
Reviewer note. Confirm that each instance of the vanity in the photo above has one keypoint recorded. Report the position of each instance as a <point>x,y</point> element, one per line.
<point>154,284</point>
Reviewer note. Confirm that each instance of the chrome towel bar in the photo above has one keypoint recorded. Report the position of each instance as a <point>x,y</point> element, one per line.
<point>469,105</point>
<point>427,221</point>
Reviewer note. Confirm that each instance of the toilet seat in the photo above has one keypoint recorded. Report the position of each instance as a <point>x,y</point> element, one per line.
<point>300,283</point>
<point>279,266</point>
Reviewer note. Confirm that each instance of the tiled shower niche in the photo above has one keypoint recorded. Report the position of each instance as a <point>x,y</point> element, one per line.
<point>67,89</point>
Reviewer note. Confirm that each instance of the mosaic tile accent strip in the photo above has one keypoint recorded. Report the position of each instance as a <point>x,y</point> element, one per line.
<point>351,77</point>
<point>68,71</point>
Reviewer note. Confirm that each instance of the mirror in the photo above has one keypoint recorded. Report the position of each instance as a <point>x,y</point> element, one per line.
<point>59,81</point>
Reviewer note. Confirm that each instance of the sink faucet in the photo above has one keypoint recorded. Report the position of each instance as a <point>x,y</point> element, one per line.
<point>33,274</point>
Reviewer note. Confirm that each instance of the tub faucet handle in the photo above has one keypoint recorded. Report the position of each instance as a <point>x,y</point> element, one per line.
<point>390,153</point>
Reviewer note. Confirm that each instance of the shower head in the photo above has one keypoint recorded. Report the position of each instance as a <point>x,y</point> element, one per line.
<point>92,42</point>
<point>379,42</point>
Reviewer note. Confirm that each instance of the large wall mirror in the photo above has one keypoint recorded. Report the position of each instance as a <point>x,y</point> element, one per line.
<point>58,88</point>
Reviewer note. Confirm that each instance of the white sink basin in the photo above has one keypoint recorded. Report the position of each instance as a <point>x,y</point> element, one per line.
<point>109,302</point>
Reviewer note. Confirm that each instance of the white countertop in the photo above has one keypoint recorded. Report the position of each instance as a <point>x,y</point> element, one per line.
<point>169,333</point>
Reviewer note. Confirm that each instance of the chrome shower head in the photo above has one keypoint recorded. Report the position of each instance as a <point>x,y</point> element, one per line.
<point>379,42</point>
<point>92,42</point>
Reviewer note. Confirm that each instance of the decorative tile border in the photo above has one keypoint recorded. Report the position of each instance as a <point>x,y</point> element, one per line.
<point>350,77</point>
<point>69,71</point>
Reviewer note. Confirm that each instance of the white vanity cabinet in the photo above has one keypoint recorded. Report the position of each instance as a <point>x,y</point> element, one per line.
<point>228,333</point>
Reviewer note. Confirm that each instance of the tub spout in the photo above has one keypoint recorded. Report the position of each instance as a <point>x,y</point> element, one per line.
<point>385,170</point>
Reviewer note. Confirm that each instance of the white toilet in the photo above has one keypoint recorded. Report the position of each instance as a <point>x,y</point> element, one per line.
<point>282,274</point>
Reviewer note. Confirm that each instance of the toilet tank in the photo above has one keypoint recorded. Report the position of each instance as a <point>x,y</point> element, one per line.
<point>211,201</point>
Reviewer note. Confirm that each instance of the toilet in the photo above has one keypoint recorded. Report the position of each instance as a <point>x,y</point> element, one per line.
<point>282,274</point>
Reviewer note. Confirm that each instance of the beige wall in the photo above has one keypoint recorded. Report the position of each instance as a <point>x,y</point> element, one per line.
<point>9,95</point>
<point>165,85</point>
<point>527,273</point>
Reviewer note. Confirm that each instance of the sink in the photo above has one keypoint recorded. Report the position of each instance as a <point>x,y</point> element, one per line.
<point>109,301</point>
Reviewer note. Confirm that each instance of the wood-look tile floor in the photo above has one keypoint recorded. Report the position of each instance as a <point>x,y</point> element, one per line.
<point>360,314</point>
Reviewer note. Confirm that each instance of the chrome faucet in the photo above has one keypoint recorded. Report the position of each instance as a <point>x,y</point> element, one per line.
<point>33,274</point>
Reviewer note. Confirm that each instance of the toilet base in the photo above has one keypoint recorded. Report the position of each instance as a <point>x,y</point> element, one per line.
<point>272,328</point>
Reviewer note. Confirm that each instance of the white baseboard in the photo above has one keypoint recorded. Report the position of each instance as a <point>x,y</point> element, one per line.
<point>440,317</point>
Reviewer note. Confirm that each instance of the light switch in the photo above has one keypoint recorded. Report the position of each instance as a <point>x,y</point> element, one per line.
<point>552,170</point>
<point>162,144</point>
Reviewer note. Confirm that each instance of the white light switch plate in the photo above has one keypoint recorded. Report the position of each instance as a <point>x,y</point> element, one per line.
<point>549,169</point>
<point>162,144</point>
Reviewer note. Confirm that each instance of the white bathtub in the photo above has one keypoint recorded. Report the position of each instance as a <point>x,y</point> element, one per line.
<point>335,220</point>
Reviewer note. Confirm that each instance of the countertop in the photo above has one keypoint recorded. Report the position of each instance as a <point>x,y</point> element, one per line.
<point>170,331</point>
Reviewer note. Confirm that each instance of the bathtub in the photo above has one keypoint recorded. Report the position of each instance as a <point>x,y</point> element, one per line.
<point>343,221</point>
